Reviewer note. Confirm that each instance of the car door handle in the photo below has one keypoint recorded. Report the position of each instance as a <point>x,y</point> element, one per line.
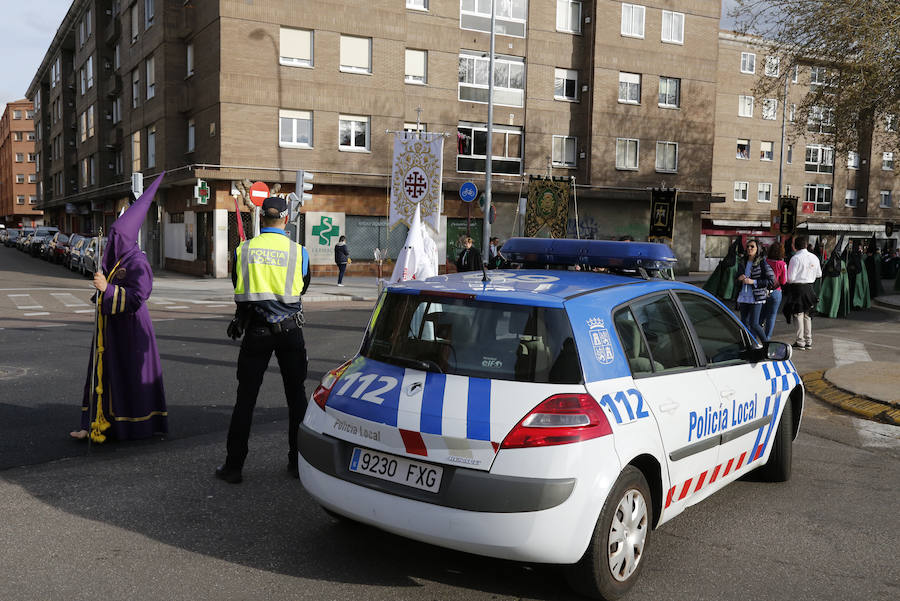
<point>726,393</point>
<point>668,407</point>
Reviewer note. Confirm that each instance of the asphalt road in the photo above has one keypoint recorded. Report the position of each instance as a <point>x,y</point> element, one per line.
<point>148,521</point>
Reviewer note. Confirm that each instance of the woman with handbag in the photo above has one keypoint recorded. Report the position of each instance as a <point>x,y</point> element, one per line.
<point>779,268</point>
<point>754,275</point>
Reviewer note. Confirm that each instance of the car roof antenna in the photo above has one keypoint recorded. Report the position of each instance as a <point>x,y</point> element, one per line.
<point>484,275</point>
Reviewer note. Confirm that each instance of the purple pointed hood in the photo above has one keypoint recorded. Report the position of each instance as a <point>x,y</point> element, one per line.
<point>123,233</point>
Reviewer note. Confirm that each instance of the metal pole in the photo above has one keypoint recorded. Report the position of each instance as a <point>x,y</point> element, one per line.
<point>486,242</point>
<point>783,119</point>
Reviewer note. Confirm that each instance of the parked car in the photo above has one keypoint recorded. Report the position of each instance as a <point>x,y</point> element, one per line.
<point>548,415</point>
<point>4,234</point>
<point>24,240</point>
<point>11,236</point>
<point>76,254</point>
<point>67,250</point>
<point>42,235</point>
<point>89,256</point>
<point>57,247</point>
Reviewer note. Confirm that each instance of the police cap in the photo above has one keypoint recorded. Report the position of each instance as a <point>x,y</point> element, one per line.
<point>275,207</point>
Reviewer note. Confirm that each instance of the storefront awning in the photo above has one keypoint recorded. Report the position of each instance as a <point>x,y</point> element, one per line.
<point>878,228</point>
<point>740,223</point>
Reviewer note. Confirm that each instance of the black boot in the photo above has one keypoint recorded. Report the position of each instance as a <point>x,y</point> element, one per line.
<point>229,474</point>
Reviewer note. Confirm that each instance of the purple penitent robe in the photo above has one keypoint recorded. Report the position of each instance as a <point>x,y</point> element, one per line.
<point>133,399</point>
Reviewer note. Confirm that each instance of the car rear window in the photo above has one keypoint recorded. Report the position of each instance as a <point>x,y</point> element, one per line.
<point>474,338</point>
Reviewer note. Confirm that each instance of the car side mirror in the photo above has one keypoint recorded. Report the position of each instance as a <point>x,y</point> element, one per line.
<point>768,351</point>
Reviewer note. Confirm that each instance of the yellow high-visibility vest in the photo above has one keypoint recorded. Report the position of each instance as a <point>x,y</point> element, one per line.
<point>269,267</point>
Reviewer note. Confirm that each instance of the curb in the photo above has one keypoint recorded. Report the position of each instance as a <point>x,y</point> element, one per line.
<point>337,298</point>
<point>863,406</point>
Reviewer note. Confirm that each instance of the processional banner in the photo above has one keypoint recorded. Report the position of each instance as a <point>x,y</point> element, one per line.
<point>547,211</point>
<point>416,174</point>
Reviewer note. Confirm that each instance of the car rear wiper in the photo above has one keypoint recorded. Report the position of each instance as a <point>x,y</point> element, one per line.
<point>425,364</point>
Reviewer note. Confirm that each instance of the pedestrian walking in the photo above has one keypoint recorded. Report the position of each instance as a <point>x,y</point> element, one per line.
<point>800,299</point>
<point>754,275</point>
<point>495,259</point>
<point>469,259</point>
<point>341,258</point>
<point>270,274</point>
<point>123,392</point>
<point>775,259</point>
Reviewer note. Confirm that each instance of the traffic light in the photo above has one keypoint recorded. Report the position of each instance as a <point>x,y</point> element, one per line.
<point>303,186</point>
<point>137,184</point>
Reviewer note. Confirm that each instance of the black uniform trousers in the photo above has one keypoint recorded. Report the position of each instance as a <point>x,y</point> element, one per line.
<point>256,351</point>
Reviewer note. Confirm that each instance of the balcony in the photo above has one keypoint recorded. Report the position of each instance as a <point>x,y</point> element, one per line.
<point>113,31</point>
<point>114,138</point>
<point>114,85</point>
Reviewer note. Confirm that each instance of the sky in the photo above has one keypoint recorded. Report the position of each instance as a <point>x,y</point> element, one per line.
<point>26,29</point>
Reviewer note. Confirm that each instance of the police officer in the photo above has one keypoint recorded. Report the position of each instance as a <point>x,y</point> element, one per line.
<point>269,274</point>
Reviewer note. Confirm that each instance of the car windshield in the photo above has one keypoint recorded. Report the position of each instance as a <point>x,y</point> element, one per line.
<point>473,338</point>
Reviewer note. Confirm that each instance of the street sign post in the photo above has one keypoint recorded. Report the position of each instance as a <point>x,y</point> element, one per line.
<point>258,193</point>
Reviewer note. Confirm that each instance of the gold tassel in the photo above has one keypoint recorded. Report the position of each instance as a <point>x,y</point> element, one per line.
<point>100,423</point>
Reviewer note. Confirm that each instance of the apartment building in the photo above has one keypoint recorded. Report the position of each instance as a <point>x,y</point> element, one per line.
<point>749,153</point>
<point>18,167</point>
<point>620,96</point>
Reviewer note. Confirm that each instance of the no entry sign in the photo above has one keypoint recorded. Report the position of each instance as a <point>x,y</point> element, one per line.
<point>258,193</point>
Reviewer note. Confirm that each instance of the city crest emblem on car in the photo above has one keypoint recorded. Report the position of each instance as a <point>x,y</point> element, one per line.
<point>413,388</point>
<point>603,350</point>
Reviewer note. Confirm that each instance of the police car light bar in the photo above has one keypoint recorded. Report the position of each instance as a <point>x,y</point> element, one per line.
<point>609,254</point>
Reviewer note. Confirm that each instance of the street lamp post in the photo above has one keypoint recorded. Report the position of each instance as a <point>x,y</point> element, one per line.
<point>486,242</point>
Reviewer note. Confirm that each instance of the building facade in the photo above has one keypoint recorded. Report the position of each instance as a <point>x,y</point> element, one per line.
<point>619,96</point>
<point>18,167</point>
<point>751,158</point>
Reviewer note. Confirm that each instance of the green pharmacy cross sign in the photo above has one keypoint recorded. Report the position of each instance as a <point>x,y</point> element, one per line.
<point>325,231</point>
<point>201,192</point>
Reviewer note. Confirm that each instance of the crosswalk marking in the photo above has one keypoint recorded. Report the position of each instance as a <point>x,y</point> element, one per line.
<point>849,351</point>
<point>68,299</point>
<point>24,301</point>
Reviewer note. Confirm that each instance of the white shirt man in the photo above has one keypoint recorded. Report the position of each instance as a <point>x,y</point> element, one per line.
<point>803,270</point>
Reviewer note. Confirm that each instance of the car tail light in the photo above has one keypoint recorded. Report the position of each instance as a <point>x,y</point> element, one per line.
<point>560,419</point>
<point>320,394</point>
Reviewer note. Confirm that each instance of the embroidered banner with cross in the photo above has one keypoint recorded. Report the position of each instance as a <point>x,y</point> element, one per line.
<point>416,178</point>
<point>547,211</point>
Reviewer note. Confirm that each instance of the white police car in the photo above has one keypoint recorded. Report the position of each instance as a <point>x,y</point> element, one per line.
<point>549,415</point>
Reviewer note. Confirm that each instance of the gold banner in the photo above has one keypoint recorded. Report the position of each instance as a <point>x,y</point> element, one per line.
<point>547,211</point>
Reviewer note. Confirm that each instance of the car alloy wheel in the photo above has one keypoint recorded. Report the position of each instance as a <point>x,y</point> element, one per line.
<point>627,535</point>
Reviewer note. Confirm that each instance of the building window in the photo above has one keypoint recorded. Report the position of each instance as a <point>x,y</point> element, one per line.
<point>819,196</point>
<point>81,37</point>
<point>189,59</point>
<point>353,133</point>
<point>886,202</point>
<point>29,136</point>
<point>852,160</point>
<point>764,193</point>
<point>627,153</point>
<point>795,74</point>
<point>765,151</point>
<point>791,112</point>
<point>117,57</point>
<point>82,126</point>
<point>740,191</point>
<point>819,159</point>
<point>88,24</point>
<point>89,67</point>
<point>748,62</point>
<point>295,129</point>
<point>509,78</point>
<point>191,135</point>
<point>416,66</point>
<point>117,109</point>
<point>136,151</point>
<point>151,77</point>
<point>771,68</point>
<point>32,199</point>
<point>149,13</point>
<point>85,172</point>
<point>82,76</point>
<point>135,88</point>
<point>769,108</point>
<point>54,73</point>
<point>790,154</point>
<point>669,92</point>
<point>415,127</point>
<point>564,151</point>
<point>120,162</point>
<point>417,4</point>
<point>20,178</point>
<point>568,16</point>
<point>565,84</point>
<point>632,20</point>
<point>90,121</point>
<point>20,157</point>
<point>820,120</point>
<point>743,149</point>
<point>151,147</point>
<point>510,16</point>
<point>850,199</point>
<point>630,88</point>
<point>20,199</point>
<point>471,148</point>
<point>890,123</point>
<point>296,47</point>
<point>32,157</point>
<point>745,106</point>
<point>135,24</point>
<point>17,136</point>
<point>887,161</point>
<point>818,76</point>
<point>672,27</point>
<point>356,54</point>
<point>667,157</point>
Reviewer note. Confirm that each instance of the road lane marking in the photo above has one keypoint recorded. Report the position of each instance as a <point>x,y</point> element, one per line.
<point>849,351</point>
<point>36,314</point>
<point>84,311</point>
<point>26,301</point>
<point>68,299</point>
<point>176,307</point>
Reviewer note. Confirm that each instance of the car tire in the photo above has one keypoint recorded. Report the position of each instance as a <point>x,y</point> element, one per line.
<point>778,467</point>
<point>627,512</point>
